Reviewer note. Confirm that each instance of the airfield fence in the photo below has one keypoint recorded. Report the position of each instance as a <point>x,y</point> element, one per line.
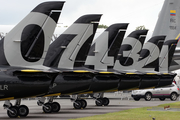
<point>123,95</point>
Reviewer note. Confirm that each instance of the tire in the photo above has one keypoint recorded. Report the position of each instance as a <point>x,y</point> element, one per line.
<point>162,99</point>
<point>83,103</point>
<point>136,99</point>
<point>148,96</point>
<point>77,104</point>
<point>23,111</point>
<point>173,96</point>
<point>55,107</point>
<point>99,102</point>
<point>15,110</point>
<point>49,110</point>
<point>105,101</point>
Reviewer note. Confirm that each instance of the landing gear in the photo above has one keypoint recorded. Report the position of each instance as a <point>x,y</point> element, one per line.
<point>23,111</point>
<point>105,101</point>
<point>47,107</point>
<point>55,107</point>
<point>78,103</point>
<point>12,112</point>
<point>50,106</point>
<point>100,100</point>
<point>16,110</point>
<point>83,103</point>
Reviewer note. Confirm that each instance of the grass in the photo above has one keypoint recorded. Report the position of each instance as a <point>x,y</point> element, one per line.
<point>140,114</point>
<point>172,105</point>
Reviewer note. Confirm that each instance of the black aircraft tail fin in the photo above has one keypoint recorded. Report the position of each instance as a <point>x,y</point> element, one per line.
<point>26,44</point>
<point>166,55</point>
<point>149,56</point>
<point>130,50</point>
<point>70,49</point>
<point>104,49</point>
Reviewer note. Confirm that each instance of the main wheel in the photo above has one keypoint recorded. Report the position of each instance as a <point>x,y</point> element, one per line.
<point>23,111</point>
<point>105,101</point>
<point>148,96</point>
<point>77,104</point>
<point>55,107</point>
<point>136,99</point>
<point>48,108</point>
<point>173,96</point>
<point>99,102</point>
<point>15,112</point>
<point>162,99</point>
<point>83,103</point>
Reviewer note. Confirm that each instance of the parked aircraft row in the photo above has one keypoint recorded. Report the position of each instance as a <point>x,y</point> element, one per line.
<point>32,67</point>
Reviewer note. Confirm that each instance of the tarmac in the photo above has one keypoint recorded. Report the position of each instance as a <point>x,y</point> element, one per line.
<point>68,112</point>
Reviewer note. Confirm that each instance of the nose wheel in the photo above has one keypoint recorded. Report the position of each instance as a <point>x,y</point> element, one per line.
<point>77,104</point>
<point>12,112</point>
<point>47,107</point>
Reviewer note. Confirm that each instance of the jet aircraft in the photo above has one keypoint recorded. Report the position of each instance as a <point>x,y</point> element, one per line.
<point>76,60</point>
<point>83,79</point>
<point>21,51</point>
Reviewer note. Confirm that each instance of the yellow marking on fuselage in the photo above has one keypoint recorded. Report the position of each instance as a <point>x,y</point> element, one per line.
<point>133,89</point>
<point>10,98</point>
<point>86,92</point>
<point>130,73</point>
<point>166,73</point>
<point>31,71</point>
<point>105,72</point>
<point>149,88</point>
<point>81,71</point>
<point>57,94</point>
<point>151,73</point>
<point>112,90</point>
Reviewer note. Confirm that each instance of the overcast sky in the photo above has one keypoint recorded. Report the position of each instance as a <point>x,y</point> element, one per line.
<point>135,12</point>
